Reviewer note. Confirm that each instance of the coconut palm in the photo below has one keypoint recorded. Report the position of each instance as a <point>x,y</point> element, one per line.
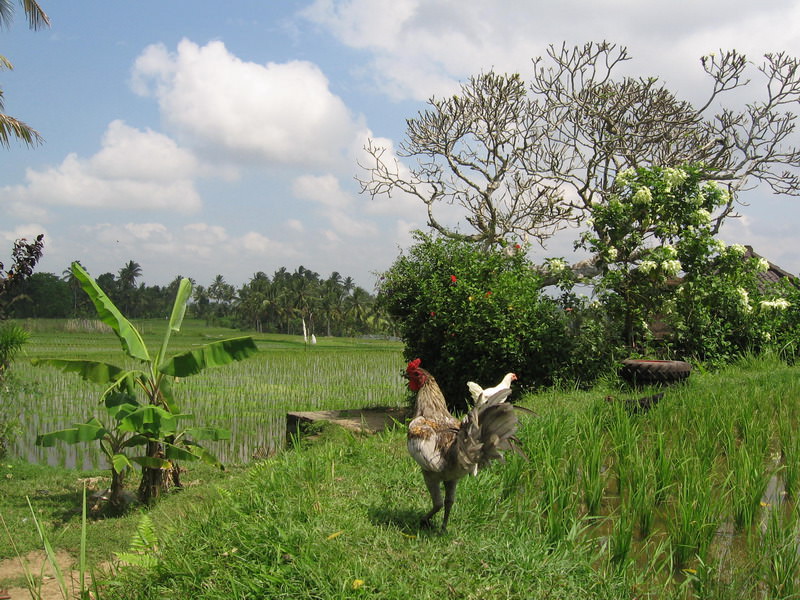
<point>129,274</point>
<point>358,306</point>
<point>74,287</point>
<point>9,126</point>
<point>127,277</point>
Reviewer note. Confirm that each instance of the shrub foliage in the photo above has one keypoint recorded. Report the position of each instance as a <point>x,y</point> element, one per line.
<point>473,314</point>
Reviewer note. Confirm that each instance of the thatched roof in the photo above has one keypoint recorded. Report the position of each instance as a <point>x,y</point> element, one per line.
<point>774,274</point>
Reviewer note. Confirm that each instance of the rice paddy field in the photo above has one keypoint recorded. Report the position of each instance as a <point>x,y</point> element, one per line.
<point>697,497</point>
<point>250,398</point>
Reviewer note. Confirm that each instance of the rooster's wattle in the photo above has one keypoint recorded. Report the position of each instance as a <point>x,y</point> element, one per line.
<point>448,449</point>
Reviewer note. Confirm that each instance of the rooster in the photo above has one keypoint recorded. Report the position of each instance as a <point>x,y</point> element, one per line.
<point>480,395</point>
<point>448,449</point>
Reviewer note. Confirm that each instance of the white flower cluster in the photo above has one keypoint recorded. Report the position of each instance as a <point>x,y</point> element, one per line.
<point>737,249</point>
<point>625,178</point>
<point>643,196</point>
<point>556,265</point>
<point>777,304</point>
<point>762,265</point>
<point>699,199</point>
<point>674,177</point>
<point>671,267</point>
<point>719,245</point>
<point>647,266</point>
<point>701,217</point>
<point>744,299</point>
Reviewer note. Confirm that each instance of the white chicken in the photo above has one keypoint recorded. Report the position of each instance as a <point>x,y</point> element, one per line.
<point>480,395</point>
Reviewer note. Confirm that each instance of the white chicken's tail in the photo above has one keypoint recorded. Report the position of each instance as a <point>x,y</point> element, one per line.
<point>475,391</point>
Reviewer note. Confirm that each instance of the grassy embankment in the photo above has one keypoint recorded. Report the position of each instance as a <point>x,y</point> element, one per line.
<point>696,498</point>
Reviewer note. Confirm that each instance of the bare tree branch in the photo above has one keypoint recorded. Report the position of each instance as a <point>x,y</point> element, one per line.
<point>526,160</point>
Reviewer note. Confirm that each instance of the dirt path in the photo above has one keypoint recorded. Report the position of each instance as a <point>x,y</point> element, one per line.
<point>11,570</point>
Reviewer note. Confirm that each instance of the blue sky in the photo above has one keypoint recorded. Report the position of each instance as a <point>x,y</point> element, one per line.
<point>199,137</point>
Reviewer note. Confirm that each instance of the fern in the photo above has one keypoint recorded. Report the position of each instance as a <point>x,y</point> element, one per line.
<point>144,546</point>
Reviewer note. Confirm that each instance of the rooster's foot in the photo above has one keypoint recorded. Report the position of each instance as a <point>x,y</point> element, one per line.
<point>426,523</point>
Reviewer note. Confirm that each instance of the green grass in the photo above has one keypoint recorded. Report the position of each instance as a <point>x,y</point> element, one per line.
<point>317,522</point>
<point>309,524</point>
<point>338,518</point>
<point>55,494</point>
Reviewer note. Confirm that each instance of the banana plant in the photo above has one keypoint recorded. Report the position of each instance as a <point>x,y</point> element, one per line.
<point>151,427</point>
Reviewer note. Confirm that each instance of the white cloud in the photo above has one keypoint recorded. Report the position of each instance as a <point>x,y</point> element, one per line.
<point>295,225</point>
<point>416,49</point>
<point>210,234</point>
<point>259,244</point>
<point>338,206</point>
<point>281,113</point>
<point>28,231</point>
<point>128,235</point>
<point>133,170</point>
<point>771,237</point>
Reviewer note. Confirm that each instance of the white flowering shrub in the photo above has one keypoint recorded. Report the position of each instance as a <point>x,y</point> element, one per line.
<point>659,260</point>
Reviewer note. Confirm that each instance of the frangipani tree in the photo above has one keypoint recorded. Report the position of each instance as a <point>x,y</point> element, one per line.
<point>144,431</point>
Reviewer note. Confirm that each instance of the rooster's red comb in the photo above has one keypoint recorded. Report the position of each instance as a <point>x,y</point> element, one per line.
<point>413,365</point>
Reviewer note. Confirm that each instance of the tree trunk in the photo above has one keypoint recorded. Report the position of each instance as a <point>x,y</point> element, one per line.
<point>152,479</point>
<point>116,500</point>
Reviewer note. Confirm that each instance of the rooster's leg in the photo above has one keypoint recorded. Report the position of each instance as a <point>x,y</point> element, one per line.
<point>449,500</point>
<point>433,482</point>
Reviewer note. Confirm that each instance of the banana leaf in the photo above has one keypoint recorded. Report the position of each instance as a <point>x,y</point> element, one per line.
<point>152,462</point>
<point>150,420</point>
<point>81,432</point>
<point>120,462</point>
<point>215,354</point>
<point>129,337</point>
<point>178,453</point>
<point>89,370</point>
<point>176,318</point>
<point>213,434</point>
<point>203,454</point>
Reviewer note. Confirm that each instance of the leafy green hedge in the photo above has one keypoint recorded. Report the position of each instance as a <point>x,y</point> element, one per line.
<point>473,314</point>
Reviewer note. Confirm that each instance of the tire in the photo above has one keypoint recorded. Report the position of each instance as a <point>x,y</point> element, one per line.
<point>639,372</point>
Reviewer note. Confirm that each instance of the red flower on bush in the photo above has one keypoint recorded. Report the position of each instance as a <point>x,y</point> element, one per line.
<point>453,279</point>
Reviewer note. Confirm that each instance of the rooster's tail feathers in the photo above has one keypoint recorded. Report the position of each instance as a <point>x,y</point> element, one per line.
<point>486,432</point>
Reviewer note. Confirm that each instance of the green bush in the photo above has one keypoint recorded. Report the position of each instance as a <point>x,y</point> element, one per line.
<point>474,315</point>
<point>12,339</point>
<point>784,321</point>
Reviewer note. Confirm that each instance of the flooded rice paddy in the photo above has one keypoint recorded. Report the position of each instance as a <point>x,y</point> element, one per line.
<point>249,398</point>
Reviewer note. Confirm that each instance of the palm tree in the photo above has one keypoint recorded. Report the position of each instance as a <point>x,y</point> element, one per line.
<point>129,274</point>
<point>9,126</point>
<point>223,294</point>
<point>331,300</point>
<point>358,306</point>
<point>74,286</point>
<point>349,284</point>
<point>201,302</point>
<point>127,277</point>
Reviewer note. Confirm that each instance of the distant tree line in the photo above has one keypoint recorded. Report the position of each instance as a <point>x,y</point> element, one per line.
<point>332,306</point>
